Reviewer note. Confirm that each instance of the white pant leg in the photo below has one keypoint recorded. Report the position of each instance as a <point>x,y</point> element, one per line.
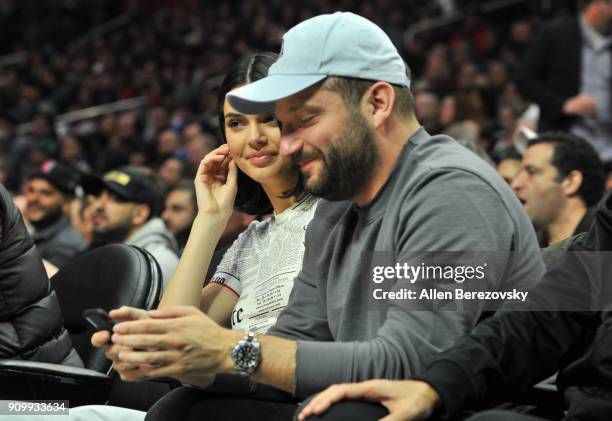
<point>85,413</point>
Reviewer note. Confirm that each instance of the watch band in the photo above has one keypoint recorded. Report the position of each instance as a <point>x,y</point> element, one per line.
<point>246,355</point>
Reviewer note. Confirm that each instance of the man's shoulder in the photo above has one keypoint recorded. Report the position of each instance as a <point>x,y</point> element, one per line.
<point>153,232</point>
<point>66,235</point>
<point>440,154</point>
<point>330,212</point>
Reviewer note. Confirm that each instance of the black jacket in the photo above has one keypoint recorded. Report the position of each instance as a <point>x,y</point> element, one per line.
<point>550,71</point>
<point>513,350</point>
<point>30,316</point>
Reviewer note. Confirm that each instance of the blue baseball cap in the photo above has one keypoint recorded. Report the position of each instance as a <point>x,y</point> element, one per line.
<point>340,44</point>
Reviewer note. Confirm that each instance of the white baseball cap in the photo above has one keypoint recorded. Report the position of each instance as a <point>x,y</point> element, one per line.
<point>340,44</point>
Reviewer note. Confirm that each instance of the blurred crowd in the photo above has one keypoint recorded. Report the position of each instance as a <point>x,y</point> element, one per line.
<point>172,54</point>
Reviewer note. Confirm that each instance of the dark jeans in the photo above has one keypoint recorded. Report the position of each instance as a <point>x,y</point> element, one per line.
<point>189,404</point>
<point>351,410</point>
<point>497,415</point>
<point>368,411</point>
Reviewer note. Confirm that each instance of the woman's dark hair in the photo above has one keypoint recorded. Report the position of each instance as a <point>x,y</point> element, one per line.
<point>251,197</point>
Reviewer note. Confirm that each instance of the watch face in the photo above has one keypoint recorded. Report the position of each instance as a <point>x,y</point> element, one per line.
<point>246,355</point>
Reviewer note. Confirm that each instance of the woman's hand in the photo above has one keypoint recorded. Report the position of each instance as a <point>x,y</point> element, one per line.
<point>216,183</point>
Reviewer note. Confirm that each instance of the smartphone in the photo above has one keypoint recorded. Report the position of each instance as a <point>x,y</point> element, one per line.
<point>99,319</point>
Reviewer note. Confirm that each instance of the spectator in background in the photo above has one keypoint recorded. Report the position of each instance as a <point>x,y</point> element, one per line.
<point>608,170</point>
<point>567,72</point>
<point>508,114</point>
<point>168,142</point>
<point>31,327</point>
<point>71,154</point>
<point>427,109</point>
<point>561,178</point>
<point>197,147</point>
<point>172,171</point>
<point>48,195</point>
<point>126,211</point>
<point>179,212</point>
<point>509,167</point>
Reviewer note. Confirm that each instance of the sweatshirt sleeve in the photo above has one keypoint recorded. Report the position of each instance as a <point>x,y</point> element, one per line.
<point>510,351</point>
<point>523,344</point>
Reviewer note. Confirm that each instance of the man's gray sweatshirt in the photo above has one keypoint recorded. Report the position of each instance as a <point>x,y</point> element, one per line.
<point>439,197</point>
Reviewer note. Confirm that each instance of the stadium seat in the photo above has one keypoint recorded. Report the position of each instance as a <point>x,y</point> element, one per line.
<point>107,277</point>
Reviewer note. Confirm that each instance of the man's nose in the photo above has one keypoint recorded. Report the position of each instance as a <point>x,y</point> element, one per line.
<point>518,182</point>
<point>290,146</point>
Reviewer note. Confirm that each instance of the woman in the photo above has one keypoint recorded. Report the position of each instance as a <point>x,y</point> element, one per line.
<point>247,173</point>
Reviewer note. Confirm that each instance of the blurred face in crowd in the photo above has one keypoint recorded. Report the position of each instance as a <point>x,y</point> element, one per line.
<point>70,149</point>
<point>254,143</point>
<point>167,142</point>
<point>114,219</point>
<point>331,142</point>
<point>44,203</point>
<point>179,212</point>
<point>537,185</point>
<point>509,168</point>
<point>171,171</point>
<point>598,14</point>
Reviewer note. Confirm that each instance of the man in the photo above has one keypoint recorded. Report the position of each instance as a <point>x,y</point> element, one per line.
<point>348,121</point>
<point>180,210</point>
<point>31,327</point>
<point>567,73</point>
<point>560,180</point>
<point>509,167</point>
<point>570,332</point>
<point>126,211</point>
<point>49,192</point>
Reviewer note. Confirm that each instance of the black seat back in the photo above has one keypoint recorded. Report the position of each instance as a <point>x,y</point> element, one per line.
<point>106,277</point>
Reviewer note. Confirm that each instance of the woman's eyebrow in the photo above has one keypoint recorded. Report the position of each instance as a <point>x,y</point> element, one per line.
<point>233,115</point>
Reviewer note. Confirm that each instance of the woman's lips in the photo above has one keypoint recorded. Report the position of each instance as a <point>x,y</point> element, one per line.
<point>261,160</point>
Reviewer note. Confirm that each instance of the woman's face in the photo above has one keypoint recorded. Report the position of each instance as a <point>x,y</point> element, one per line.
<point>254,142</point>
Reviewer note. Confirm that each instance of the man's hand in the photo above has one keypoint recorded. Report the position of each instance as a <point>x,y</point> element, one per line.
<point>406,400</point>
<point>582,105</point>
<point>180,342</point>
<point>101,339</point>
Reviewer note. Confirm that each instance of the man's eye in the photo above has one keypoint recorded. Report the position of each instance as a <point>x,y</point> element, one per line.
<point>304,121</point>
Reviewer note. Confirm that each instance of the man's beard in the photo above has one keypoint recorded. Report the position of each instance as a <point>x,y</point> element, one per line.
<point>50,218</point>
<point>111,235</point>
<point>348,163</point>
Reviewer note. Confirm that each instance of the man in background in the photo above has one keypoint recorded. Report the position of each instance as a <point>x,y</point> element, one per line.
<point>126,210</point>
<point>560,180</point>
<point>567,73</point>
<point>49,192</point>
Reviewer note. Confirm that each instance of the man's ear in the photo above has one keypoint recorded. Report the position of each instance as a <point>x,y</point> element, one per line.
<point>140,214</point>
<point>380,101</point>
<point>571,183</point>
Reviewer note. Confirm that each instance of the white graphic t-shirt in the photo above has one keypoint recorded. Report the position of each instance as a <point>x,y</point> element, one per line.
<point>261,265</point>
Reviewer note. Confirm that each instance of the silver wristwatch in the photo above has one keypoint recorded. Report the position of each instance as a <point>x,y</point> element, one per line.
<point>246,355</point>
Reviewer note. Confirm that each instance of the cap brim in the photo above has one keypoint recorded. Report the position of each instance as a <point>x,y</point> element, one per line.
<point>94,185</point>
<point>259,97</point>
